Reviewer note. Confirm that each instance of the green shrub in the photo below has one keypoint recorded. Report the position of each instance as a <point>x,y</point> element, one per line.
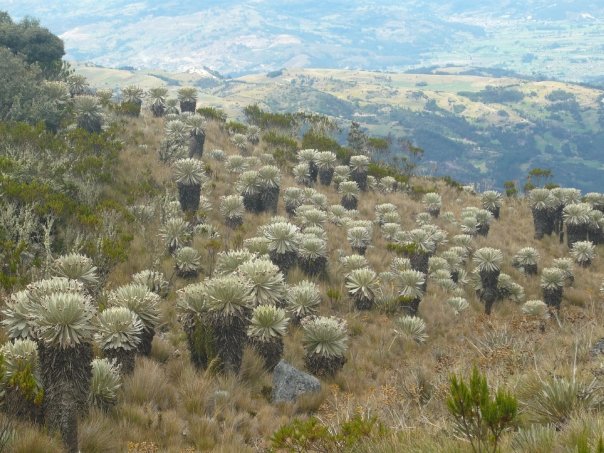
<point>311,435</point>
<point>479,417</point>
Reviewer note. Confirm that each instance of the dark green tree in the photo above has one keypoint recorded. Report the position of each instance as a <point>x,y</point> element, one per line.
<point>34,43</point>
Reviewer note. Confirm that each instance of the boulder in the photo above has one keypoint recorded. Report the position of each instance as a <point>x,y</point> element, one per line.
<point>289,383</point>
<point>598,347</point>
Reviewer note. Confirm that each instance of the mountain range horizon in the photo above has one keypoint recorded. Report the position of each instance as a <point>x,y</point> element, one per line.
<point>562,40</point>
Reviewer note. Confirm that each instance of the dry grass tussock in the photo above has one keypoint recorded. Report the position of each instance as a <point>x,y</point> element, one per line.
<point>167,405</point>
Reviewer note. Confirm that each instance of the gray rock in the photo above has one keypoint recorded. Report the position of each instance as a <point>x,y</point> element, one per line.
<point>289,383</point>
<point>598,347</point>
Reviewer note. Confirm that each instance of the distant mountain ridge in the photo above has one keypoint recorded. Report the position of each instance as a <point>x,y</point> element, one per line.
<point>562,39</point>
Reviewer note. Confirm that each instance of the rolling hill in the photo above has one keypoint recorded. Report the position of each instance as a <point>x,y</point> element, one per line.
<point>475,128</point>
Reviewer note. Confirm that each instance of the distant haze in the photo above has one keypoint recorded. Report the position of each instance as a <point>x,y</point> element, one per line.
<point>562,39</point>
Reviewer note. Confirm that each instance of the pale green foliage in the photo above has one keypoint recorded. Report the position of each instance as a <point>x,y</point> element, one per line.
<point>269,176</point>
<point>232,207</point>
<point>358,237</point>
<point>360,163</point>
<point>187,260</point>
<point>453,259</point>
<point>17,316</point>
<point>187,94</point>
<point>595,199</point>
<point>140,300</point>
<point>268,323</point>
<point>228,262</point>
<point>349,189</point>
<point>293,196</point>
<point>105,383</point>
<point>353,262</point>
<point>189,172</point>
<point>491,199</point>
<point>41,288</point>
<point>311,247</point>
<point>176,132</point>
<point>420,238</point>
<point>64,320</point>
<point>191,299</point>
<point>388,184</point>
<point>341,173</point>
<point>527,256</point>
<point>412,328</point>
<point>157,95</point>
<point>567,268</point>
<point>76,267</point>
<point>153,280</point>
<point>464,241</point>
<point>437,263</point>
<point>458,304</point>
<point>488,259</point>
<point>399,264</point>
<point>236,164</point>
<point>326,160</point>
<point>409,283</point>
<point>559,398</point>
<point>228,296</point>
<point>88,112</point>
<point>196,124</point>
<point>311,217</point>
<point>534,308</point>
<point>301,173</point>
<point>432,201</point>
<point>316,231</point>
<point>19,356</point>
<point>577,214</point>
<point>265,281</point>
<point>583,252</point>
<point>423,218</point>
<point>217,154</point>
<point>566,195</point>
<point>176,232</point>
<point>325,336</point>
<point>283,237</point>
<point>363,283</point>
<point>258,245</point>
<point>118,328</point>
<point>391,217</point>
<point>534,439</point>
<point>133,94</point>
<point>253,133</point>
<point>303,299</point>
<point>390,231</point>
<point>469,225</point>
<point>248,183</point>
<point>596,220</point>
<point>307,155</point>
<point>540,199</point>
<point>552,278</point>
<point>442,278</point>
<point>510,289</point>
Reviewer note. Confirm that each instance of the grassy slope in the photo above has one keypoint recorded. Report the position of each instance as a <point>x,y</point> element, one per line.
<point>171,408</point>
<point>471,140</point>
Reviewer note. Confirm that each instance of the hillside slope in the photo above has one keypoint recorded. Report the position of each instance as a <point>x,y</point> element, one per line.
<point>480,129</point>
<point>168,405</point>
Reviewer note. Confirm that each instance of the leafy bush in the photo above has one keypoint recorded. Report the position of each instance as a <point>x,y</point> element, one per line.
<point>479,417</point>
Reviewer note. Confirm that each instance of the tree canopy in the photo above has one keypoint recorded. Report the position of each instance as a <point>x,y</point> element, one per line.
<point>35,44</point>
